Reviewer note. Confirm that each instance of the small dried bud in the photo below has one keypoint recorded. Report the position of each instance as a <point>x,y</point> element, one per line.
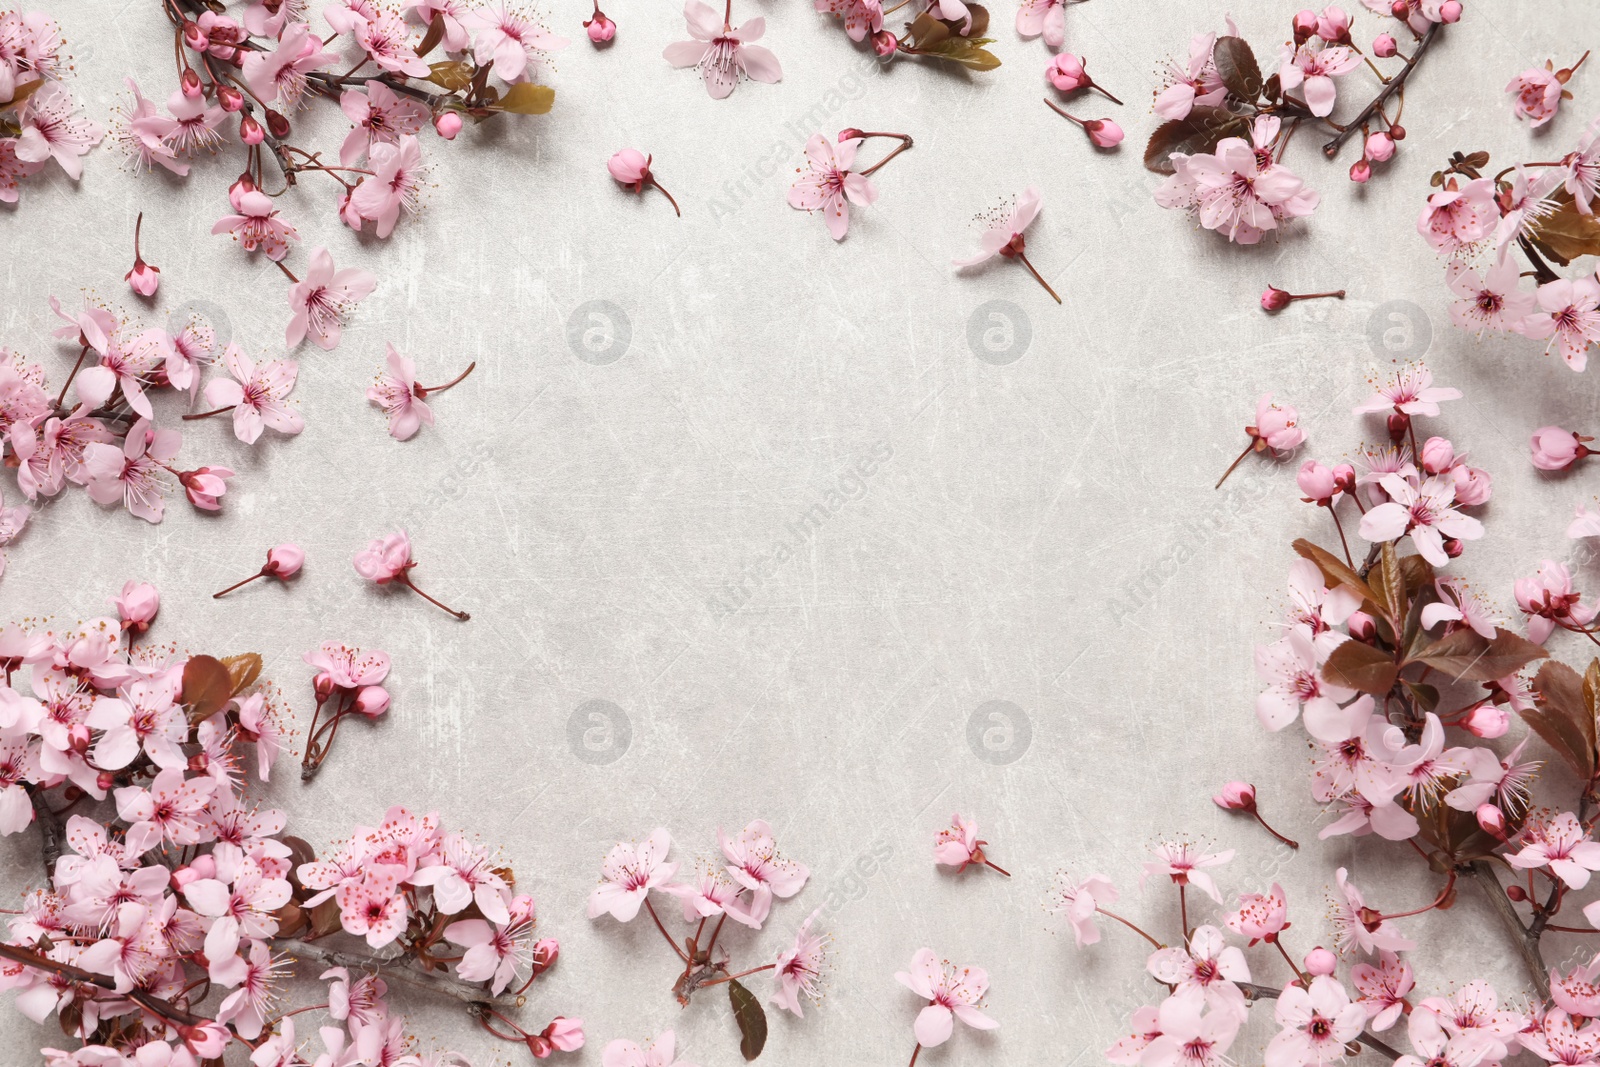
<point>1516,892</point>
<point>277,124</point>
<point>1398,132</point>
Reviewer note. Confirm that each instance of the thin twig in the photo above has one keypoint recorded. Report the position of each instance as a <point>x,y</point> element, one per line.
<point>1394,85</point>
<point>393,969</point>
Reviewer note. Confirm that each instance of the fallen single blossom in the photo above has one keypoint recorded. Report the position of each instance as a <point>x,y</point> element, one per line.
<point>321,301</point>
<point>1538,92</point>
<point>600,29</point>
<point>827,183</point>
<point>1002,234</point>
<point>403,401</point>
<point>631,169</point>
<point>388,560</point>
<point>1067,73</point>
<point>142,278</point>
<point>1241,796</point>
<point>722,51</point>
<point>1274,299</point>
<point>283,562</point>
<point>958,846</point>
<point>951,992</point>
<point>1102,132</point>
<point>1277,427</point>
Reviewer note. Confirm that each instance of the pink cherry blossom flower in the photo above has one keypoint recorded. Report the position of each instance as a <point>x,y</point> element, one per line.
<point>171,805</point>
<point>52,130</point>
<point>958,846</point>
<point>1425,512</point>
<point>1586,523</point>
<point>800,968</point>
<point>1003,227</point>
<point>1582,169</point>
<point>722,51</point>
<point>1129,1050</point>
<point>1195,84</point>
<point>1383,989</point>
<point>361,1000</point>
<point>371,907</point>
<point>509,40</point>
<point>1189,1038</point>
<point>141,134</point>
<point>1537,91</point>
<point>755,863</point>
<point>404,401</point>
<point>1355,924</point>
<point>323,299</point>
<point>1261,916</point>
<point>463,874</point>
<point>1558,1039</point>
<point>495,952</point>
<point>1569,315</point>
<point>1185,863</point>
<point>861,18</point>
<point>829,185</point>
<point>395,184</point>
<point>1080,901</point>
<point>258,226</point>
<point>1563,845</point>
<point>1412,392</point>
<point>662,1052</point>
<point>1576,991</point>
<point>1549,600</point>
<point>349,667</point>
<point>1317,1022</point>
<point>380,115</point>
<point>194,124</point>
<point>1457,218</point>
<point>387,42</point>
<point>1291,667</point>
<point>717,894</point>
<point>1209,966</point>
<point>280,75</point>
<point>1047,17</point>
<point>128,364</point>
<point>630,872</point>
<point>1489,302</point>
<point>1238,190</point>
<point>1460,609</point>
<point>256,394</point>
<point>1314,66</point>
<point>952,993</point>
<point>132,474</point>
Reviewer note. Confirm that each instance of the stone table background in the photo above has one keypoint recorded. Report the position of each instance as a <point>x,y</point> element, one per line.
<point>1038,529</point>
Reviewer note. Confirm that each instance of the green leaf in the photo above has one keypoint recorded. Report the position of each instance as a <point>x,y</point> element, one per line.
<point>1237,67</point>
<point>752,1020</point>
<point>1561,716</point>
<point>1359,666</point>
<point>526,98</point>
<point>1198,132</point>
<point>1467,657</point>
<point>967,51</point>
<point>452,75</point>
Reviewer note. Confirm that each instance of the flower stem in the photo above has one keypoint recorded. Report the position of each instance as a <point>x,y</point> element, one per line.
<point>287,273</point>
<point>138,224</point>
<point>1390,87</point>
<point>405,580</point>
<point>235,585</point>
<point>1337,525</point>
<point>995,866</point>
<point>905,143</point>
<point>666,194</point>
<point>1274,833</point>
<point>453,381</point>
<point>1036,276</point>
<point>1247,450</point>
<point>652,910</point>
<point>1129,925</point>
<point>1096,86</point>
<point>741,974</point>
<point>208,414</point>
<point>914,1054</point>
<point>84,351</point>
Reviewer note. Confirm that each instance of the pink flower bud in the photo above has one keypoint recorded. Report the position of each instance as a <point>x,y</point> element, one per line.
<point>1344,476</point>
<point>241,185</point>
<point>885,43</point>
<point>630,168</point>
<point>250,131</point>
<point>447,124</point>
<point>1438,455</point>
<point>1066,72</point>
<point>191,84</point>
<point>230,98</point>
<point>1305,24</point>
<point>1453,547</point>
<point>284,561</point>
<point>1492,821</point>
<point>1316,482</point>
<point>848,133</point>
<point>564,1034</point>
<point>1473,486</point>
<point>1380,147</point>
<point>600,28</point>
<point>204,486</point>
<point>1333,25</point>
<point>1103,132</point>
<point>1320,962</point>
<point>1487,721</point>
<point>1361,172</point>
<point>206,1041</point>
<point>204,866</point>
<point>371,701</point>
<point>323,685</point>
<point>546,951</point>
<point>194,36</point>
<point>1362,626</point>
<point>1236,796</point>
<point>137,606</point>
<point>1399,423</point>
<point>182,876</point>
<point>143,278</point>
<point>1450,11</point>
<point>105,780</point>
<point>1274,299</point>
<point>278,124</point>
<point>1399,9</point>
<point>1383,46</point>
<point>1555,449</point>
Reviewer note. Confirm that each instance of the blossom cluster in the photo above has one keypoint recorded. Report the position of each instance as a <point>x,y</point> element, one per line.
<point>166,879</point>
<point>39,120</point>
<point>1228,123</point>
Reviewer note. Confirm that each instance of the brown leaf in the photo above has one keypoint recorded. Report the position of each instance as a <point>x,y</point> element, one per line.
<point>752,1020</point>
<point>1562,717</point>
<point>1237,67</point>
<point>22,93</point>
<point>1334,570</point>
<point>1566,233</point>
<point>526,98</point>
<point>967,51</point>
<point>1467,657</point>
<point>1391,588</point>
<point>1361,667</point>
<point>243,670</point>
<point>1198,132</point>
<point>451,75</point>
<point>431,39</point>
<point>325,918</point>
<point>980,21</point>
<point>927,31</point>
<point>207,687</point>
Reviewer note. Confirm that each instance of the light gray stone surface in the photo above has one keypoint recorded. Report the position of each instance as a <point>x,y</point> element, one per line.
<point>1041,531</point>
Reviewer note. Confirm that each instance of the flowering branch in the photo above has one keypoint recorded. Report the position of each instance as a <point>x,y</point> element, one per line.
<point>395,968</point>
<point>1395,84</point>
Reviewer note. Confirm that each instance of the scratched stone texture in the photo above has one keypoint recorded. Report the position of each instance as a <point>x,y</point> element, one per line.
<point>1016,594</point>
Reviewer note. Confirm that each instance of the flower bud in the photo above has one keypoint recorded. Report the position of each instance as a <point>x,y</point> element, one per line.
<point>1316,482</point>
<point>143,278</point>
<point>137,606</point>
<point>1453,547</point>
<point>1103,132</point>
<point>1492,821</point>
<point>600,28</point>
<point>104,781</point>
<point>277,124</point>
<point>230,98</point>
<point>847,133</point>
<point>1399,9</point>
<point>1333,25</point>
<point>284,561</point>
<point>546,951</point>
<point>630,168</point>
<point>1380,147</point>
<point>1487,721</point>
<point>1473,485</point>
<point>1320,962</point>
<point>1399,425</point>
<point>1305,26</point>
<point>1362,626</point>
<point>194,36</point>
<point>1361,171</point>
<point>1066,72</point>
<point>1555,449</point>
<point>1450,11</point>
<point>1383,46</point>
<point>1516,892</point>
<point>1274,299</point>
<point>1236,796</point>
<point>1398,132</point>
<point>241,185</point>
<point>182,876</point>
<point>447,124</point>
<point>885,44</point>
<point>371,701</point>
<point>323,685</point>
<point>1438,455</point>
<point>250,131</point>
<point>191,84</point>
<point>1344,476</point>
